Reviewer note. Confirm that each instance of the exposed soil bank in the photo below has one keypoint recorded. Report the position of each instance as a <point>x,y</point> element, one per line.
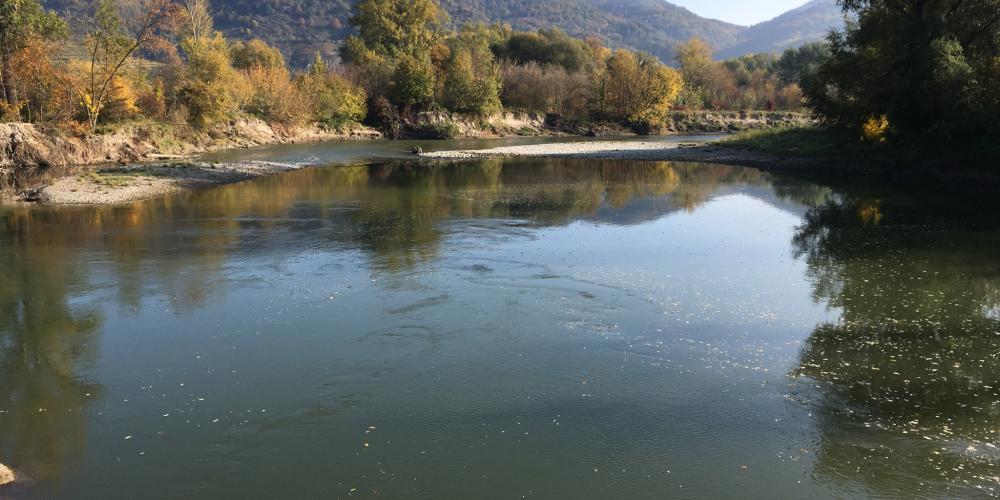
<point>26,148</point>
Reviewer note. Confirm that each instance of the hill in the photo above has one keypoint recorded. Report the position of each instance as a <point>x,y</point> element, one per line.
<point>651,25</point>
<point>302,27</point>
<point>809,23</point>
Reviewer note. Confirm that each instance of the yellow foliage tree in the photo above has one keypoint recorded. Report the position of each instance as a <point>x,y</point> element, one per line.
<point>638,88</point>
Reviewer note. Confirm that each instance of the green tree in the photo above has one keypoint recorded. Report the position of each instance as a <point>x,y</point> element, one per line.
<point>800,63</point>
<point>414,81</point>
<point>929,66</point>
<point>472,77</point>
<point>212,88</point>
<point>547,47</point>
<point>20,21</point>
<point>256,53</point>
<point>334,100</point>
<point>395,27</point>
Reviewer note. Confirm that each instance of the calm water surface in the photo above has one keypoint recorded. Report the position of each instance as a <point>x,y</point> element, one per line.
<point>504,329</point>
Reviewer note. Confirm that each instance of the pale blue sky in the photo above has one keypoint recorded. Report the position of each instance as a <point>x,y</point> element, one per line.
<point>745,12</point>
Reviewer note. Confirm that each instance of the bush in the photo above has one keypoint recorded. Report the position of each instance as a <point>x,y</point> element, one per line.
<point>437,130</point>
<point>545,89</point>
<point>212,90</point>
<point>256,53</point>
<point>274,97</point>
<point>332,99</point>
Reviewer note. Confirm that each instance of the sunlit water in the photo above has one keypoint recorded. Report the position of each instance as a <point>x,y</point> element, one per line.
<point>503,329</point>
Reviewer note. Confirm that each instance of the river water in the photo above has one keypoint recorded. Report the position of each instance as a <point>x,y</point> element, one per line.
<point>503,329</point>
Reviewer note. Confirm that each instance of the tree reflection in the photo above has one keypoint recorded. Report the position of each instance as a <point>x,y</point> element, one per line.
<point>56,262</point>
<point>44,341</point>
<point>909,377</point>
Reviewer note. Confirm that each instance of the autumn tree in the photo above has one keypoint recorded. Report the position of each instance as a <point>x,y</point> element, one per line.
<point>395,28</point>
<point>21,23</point>
<point>638,88</point>
<point>256,53</point>
<point>109,47</point>
<point>212,89</point>
<point>334,100</point>
<point>695,60</point>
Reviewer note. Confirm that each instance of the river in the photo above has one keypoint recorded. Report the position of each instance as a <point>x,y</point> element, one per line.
<point>503,329</point>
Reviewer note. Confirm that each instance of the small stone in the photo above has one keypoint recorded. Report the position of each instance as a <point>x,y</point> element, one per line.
<point>7,475</point>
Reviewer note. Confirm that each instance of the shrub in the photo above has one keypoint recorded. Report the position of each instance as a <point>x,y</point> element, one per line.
<point>212,90</point>
<point>256,53</point>
<point>333,100</point>
<point>876,129</point>
<point>546,89</point>
<point>274,97</point>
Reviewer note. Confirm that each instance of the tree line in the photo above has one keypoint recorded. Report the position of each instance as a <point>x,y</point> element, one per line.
<point>913,70</point>
<point>166,62</point>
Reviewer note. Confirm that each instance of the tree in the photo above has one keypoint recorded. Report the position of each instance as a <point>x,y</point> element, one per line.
<point>395,27</point>
<point>472,78</point>
<point>212,89</point>
<point>414,81</point>
<point>109,46</point>
<point>334,100</point>
<point>256,53</point>
<point>548,46</point>
<point>695,60</point>
<point>929,66</point>
<point>639,89</point>
<point>20,22</point>
<point>796,64</point>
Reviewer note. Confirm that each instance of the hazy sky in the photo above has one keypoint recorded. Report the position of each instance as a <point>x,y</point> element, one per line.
<point>745,12</point>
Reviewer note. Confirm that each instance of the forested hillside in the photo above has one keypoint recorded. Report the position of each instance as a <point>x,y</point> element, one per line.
<point>300,28</point>
<point>806,24</point>
<point>655,26</point>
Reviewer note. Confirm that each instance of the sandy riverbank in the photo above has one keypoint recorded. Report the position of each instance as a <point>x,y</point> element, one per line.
<point>141,182</point>
<point>88,186</point>
<point>621,150</point>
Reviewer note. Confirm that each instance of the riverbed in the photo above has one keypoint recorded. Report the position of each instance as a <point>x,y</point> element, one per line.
<point>502,327</point>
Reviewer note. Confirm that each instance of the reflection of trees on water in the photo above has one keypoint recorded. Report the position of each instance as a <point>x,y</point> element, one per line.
<point>178,247</point>
<point>909,377</point>
<point>44,341</point>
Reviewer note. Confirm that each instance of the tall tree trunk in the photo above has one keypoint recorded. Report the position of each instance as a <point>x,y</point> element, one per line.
<point>9,84</point>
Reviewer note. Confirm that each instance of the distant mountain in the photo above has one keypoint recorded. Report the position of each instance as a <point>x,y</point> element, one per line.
<point>655,26</point>
<point>302,27</point>
<point>809,23</point>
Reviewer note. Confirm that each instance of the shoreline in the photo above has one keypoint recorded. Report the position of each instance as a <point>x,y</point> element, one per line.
<point>617,150</point>
<point>133,183</point>
<point>138,182</point>
<point>824,168</point>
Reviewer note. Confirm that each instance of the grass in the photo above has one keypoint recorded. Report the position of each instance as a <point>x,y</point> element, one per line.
<point>970,162</point>
<point>799,141</point>
<point>114,178</point>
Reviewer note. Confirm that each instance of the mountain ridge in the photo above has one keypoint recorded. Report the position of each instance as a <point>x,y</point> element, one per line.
<point>302,27</point>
